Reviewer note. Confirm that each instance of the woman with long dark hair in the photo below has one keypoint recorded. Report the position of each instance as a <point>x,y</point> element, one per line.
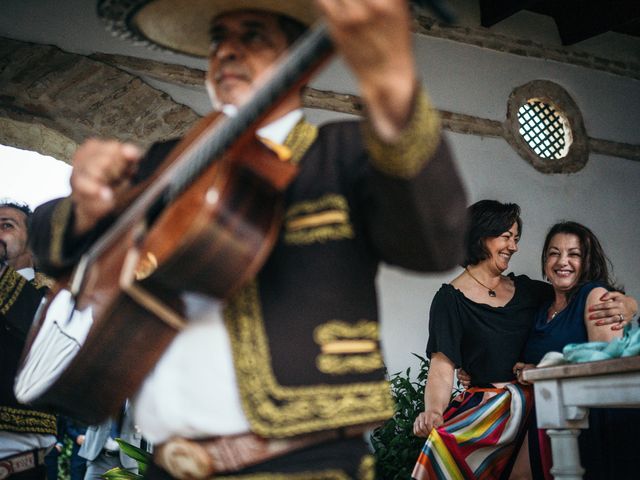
<point>574,263</point>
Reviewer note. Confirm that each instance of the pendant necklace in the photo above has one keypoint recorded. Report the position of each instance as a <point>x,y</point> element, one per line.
<point>490,291</point>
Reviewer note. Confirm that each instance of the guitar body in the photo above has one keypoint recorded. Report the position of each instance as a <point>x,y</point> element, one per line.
<point>215,237</point>
<point>219,232</point>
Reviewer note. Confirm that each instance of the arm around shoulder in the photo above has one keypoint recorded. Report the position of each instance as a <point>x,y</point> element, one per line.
<point>595,332</point>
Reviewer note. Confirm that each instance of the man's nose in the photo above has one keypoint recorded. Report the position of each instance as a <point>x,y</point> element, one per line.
<point>229,48</point>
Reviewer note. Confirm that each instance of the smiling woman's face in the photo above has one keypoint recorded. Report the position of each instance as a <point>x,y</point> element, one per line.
<point>563,261</point>
<point>502,247</point>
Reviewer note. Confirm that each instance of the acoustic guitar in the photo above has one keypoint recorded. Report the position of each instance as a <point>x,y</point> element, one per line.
<point>204,222</point>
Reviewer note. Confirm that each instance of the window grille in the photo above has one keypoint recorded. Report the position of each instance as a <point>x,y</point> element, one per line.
<point>543,128</point>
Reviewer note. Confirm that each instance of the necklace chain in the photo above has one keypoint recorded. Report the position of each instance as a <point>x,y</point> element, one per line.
<point>490,291</point>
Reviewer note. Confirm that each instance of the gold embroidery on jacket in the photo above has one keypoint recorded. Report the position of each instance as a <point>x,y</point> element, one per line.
<point>274,410</point>
<point>320,220</point>
<point>11,284</point>
<point>348,348</point>
<point>300,139</point>
<point>406,156</point>
<point>367,469</point>
<point>26,421</point>
<point>42,281</point>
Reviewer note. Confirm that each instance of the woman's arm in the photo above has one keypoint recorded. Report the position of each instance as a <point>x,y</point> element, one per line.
<point>436,395</point>
<point>614,308</point>
<point>595,332</point>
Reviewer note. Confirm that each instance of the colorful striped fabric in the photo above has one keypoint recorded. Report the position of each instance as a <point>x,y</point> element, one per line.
<point>482,431</point>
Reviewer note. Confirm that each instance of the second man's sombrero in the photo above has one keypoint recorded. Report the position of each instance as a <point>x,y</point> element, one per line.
<point>183,25</point>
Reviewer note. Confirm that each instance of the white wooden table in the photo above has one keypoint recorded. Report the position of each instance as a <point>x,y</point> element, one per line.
<point>563,395</point>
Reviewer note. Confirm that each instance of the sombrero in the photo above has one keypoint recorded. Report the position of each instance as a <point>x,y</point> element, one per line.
<point>183,25</point>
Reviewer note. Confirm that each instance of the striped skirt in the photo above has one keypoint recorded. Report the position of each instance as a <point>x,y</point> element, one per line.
<point>482,432</point>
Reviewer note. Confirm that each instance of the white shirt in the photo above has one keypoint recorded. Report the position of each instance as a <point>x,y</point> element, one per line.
<point>13,443</point>
<point>192,392</point>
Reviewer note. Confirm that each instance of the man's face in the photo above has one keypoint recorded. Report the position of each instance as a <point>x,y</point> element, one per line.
<point>13,238</point>
<point>244,45</point>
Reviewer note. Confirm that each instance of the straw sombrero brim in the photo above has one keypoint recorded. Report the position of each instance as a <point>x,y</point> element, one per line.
<point>183,25</point>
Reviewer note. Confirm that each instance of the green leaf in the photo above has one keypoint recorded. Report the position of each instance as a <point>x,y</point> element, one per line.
<point>139,455</point>
<point>395,447</point>
<point>119,473</point>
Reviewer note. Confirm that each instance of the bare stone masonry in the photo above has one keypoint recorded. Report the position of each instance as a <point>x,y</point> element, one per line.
<point>78,97</point>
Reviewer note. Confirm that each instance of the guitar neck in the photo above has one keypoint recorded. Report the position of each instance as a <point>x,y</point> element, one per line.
<point>305,57</point>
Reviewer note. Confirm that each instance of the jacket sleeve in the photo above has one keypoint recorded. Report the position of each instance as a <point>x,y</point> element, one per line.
<point>55,247</point>
<point>414,197</point>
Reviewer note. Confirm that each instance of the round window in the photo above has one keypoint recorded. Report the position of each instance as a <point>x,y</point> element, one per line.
<point>545,126</point>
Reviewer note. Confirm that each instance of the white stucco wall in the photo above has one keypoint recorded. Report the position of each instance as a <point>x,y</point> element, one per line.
<point>605,195</point>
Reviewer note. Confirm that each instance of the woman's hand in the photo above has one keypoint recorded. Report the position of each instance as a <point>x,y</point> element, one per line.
<point>615,309</point>
<point>520,367</point>
<point>464,378</point>
<point>426,422</point>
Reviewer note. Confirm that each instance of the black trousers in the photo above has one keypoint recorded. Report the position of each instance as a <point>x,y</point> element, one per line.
<point>348,459</point>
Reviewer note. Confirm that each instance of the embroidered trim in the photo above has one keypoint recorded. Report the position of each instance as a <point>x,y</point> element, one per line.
<point>367,469</point>
<point>332,216</point>
<point>339,330</point>
<point>340,347</point>
<point>322,475</point>
<point>11,284</point>
<point>26,421</point>
<point>418,142</point>
<point>326,218</point>
<point>343,364</point>
<point>331,201</point>
<point>274,410</point>
<point>59,221</point>
<point>300,139</point>
<point>348,348</point>
<point>42,281</point>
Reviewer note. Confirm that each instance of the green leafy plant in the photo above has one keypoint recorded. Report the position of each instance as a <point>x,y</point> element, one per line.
<point>64,459</point>
<point>396,448</point>
<point>142,457</point>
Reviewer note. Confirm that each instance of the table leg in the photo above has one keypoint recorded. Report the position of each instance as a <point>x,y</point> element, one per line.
<point>565,453</point>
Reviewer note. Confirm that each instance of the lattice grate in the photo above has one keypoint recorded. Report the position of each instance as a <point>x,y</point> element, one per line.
<point>543,128</point>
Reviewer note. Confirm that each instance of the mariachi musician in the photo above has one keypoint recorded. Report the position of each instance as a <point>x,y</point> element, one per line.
<point>26,434</point>
<point>286,375</point>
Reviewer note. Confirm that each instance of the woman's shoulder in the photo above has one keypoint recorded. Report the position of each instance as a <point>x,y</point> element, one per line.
<point>447,294</point>
<point>529,286</point>
<point>586,289</point>
<point>446,290</point>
